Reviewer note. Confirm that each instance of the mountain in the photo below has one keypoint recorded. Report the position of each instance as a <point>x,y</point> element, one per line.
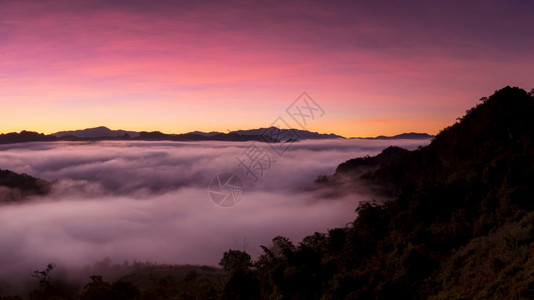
<point>96,132</point>
<point>270,134</point>
<point>24,136</point>
<point>410,136</point>
<point>14,186</point>
<point>103,133</point>
<point>208,134</point>
<point>461,225</point>
<point>472,183</point>
<point>288,134</point>
<point>362,164</point>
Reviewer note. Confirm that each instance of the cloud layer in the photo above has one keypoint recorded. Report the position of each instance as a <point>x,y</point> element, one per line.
<point>150,201</point>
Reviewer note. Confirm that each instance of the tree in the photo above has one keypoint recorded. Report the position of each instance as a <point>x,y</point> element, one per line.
<point>124,290</point>
<point>235,260</point>
<point>97,289</point>
<point>243,283</point>
<point>44,275</point>
<point>45,290</point>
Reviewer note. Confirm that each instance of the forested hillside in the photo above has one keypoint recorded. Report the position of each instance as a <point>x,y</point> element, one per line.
<point>460,227</point>
<point>14,186</point>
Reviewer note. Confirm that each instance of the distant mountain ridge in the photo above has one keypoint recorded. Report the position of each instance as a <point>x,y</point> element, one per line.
<point>209,134</point>
<point>96,132</point>
<point>289,134</point>
<point>25,136</point>
<point>409,135</point>
<point>269,134</point>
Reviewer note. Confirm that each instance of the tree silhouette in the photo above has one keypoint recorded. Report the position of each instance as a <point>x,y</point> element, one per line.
<point>235,260</point>
<point>243,283</point>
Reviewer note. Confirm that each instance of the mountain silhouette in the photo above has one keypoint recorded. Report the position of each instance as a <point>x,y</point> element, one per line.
<point>209,134</point>
<point>389,154</point>
<point>269,134</point>
<point>15,187</point>
<point>288,134</point>
<point>461,224</point>
<point>410,135</point>
<point>25,136</point>
<point>282,135</point>
<point>96,132</point>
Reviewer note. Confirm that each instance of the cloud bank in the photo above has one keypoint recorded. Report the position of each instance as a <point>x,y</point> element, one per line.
<point>149,201</point>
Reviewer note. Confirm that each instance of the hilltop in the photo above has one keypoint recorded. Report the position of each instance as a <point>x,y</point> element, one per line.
<point>96,132</point>
<point>14,186</point>
<point>461,225</point>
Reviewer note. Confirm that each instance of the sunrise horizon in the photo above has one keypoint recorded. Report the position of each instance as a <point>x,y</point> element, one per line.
<point>227,130</point>
<point>210,67</point>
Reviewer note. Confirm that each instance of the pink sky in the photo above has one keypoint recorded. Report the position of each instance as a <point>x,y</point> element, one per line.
<point>374,67</point>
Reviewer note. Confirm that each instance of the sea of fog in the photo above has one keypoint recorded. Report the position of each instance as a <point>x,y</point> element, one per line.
<point>149,201</point>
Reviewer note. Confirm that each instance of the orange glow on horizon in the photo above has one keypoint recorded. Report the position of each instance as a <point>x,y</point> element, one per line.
<point>179,67</point>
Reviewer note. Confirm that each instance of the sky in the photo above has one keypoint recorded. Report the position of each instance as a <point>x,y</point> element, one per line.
<point>374,67</point>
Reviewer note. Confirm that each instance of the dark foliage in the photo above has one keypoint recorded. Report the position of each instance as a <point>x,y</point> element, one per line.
<point>389,154</point>
<point>25,136</point>
<point>472,180</point>
<point>98,289</point>
<point>14,186</point>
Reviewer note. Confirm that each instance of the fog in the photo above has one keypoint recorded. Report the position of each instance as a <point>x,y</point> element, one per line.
<point>149,201</point>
